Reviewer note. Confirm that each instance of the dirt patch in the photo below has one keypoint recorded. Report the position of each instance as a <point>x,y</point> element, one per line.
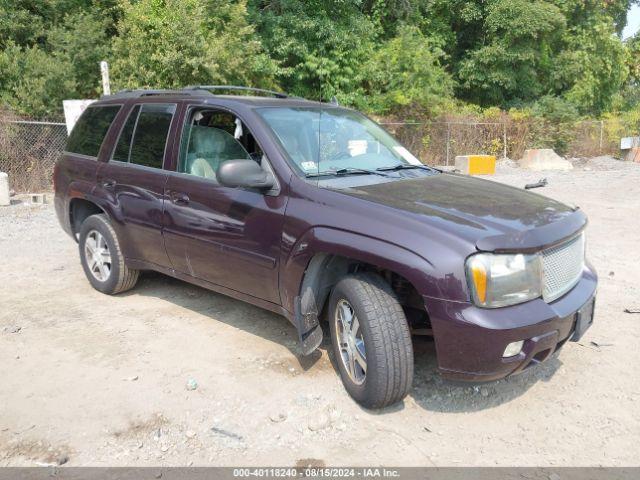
<point>141,428</point>
<point>104,379</point>
<point>38,452</point>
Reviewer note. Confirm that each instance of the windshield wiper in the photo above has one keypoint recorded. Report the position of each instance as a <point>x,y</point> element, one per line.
<point>348,171</point>
<point>405,166</point>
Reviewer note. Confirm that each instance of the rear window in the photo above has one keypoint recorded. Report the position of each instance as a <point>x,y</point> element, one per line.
<point>89,132</point>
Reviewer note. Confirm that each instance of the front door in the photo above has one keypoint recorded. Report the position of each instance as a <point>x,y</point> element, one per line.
<point>134,181</point>
<point>229,237</point>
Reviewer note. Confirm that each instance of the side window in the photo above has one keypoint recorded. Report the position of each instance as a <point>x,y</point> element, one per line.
<point>144,136</point>
<point>89,131</point>
<point>123,147</point>
<point>210,138</point>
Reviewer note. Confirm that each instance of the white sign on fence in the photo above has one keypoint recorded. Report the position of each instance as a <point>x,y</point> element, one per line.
<point>72,111</point>
<point>627,143</point>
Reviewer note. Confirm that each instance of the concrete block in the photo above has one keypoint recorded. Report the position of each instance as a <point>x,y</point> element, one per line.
<point>4,190</point>
<point>544,159</point>
<point>633,155</point>
<point>476,164</point>
<point>38,198</point>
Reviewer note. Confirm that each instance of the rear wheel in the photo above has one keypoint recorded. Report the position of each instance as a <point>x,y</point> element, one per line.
<point>371,340</point>
<point>102,258</point>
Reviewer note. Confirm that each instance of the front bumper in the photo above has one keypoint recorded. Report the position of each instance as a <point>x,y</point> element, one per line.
<point>470,341</point>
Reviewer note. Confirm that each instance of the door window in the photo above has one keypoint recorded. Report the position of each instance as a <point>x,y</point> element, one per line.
<point>90,129</point>
<point>123,147</point>
<point>144,136</point>
<point>212,137</point>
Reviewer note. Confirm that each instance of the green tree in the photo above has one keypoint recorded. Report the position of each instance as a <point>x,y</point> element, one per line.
<point>49,51</point>
<point>34,83</point>
<point>405,71</point>
<point>81,41</point>
<point>174,43</point>
<point>514,61</point>
<point>321,45</point>
<point>592,69</point>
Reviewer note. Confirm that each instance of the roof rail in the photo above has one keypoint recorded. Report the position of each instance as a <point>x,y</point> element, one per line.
<point>209,88</point>
<point>136,93</point>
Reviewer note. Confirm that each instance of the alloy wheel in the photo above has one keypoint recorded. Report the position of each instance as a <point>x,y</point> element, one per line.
<point>351,342</point>
<point>97,255</point>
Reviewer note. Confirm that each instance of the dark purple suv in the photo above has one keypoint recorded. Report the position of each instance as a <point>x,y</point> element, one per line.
<point>314,212</point>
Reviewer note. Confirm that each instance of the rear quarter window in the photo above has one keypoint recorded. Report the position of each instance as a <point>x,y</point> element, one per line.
<point>89,132</point>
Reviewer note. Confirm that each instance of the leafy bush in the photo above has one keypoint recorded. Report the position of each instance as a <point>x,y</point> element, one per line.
<point>33,82</point>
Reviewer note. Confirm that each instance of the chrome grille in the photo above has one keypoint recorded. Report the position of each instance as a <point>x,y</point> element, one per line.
<point>562,266</point>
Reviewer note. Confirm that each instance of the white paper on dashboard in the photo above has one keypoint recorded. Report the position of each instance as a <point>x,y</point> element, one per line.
<point>357,147</point>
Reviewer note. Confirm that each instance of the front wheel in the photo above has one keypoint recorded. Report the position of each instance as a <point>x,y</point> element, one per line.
<point>371,340</point>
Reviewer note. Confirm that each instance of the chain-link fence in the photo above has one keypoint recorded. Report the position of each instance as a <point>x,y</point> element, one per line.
<point>28,152</point>
<point>438,143</point>
<point>29,149</point>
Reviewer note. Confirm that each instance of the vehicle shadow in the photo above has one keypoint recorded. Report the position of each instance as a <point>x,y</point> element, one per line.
<point>221,308</point>
<point>430,391</point>
<point>433,393</point>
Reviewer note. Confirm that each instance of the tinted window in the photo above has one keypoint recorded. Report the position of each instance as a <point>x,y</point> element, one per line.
<point>90,129</point>
<point>123,147</point>
<point>150,136</point>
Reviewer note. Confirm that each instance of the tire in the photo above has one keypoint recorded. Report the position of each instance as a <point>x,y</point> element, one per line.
<point>114,276</point>
<point>384,332</point>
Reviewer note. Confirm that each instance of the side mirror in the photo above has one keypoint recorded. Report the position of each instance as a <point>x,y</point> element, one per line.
<point>244,173</point>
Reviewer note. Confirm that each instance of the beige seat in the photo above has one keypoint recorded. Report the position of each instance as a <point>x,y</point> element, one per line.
<point>208,148</point>
<point>202,168</point>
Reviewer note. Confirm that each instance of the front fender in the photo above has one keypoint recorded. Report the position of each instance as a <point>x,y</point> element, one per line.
<point>421,272</point>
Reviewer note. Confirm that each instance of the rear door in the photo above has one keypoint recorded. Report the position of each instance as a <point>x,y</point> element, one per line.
<point>227,236</point>
<point>79,164</point>
<point>134,181</point>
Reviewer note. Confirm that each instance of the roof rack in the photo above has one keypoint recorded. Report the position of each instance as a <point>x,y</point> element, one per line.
<point>150,93</point>
<point>193,90</point>
<point>209,88</point>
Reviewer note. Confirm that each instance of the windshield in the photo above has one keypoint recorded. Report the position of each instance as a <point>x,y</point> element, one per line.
<point>328,140</point>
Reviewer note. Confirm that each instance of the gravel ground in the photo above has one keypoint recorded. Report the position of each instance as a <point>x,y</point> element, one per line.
<point>172,374</point>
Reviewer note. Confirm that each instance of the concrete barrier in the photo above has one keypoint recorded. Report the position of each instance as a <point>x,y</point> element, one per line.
<point>476,164</point>
<point>4,190</point>
<point>543,159</point>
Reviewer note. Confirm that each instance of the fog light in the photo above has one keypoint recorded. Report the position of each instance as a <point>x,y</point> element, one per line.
<point>513,349</point>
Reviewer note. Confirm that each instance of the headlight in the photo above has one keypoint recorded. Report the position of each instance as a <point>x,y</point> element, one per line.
<point>498,280</point>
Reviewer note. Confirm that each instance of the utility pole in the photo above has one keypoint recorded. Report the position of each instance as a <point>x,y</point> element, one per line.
<point>104,70</point>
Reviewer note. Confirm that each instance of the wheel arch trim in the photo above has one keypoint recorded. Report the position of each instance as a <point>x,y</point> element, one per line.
<point>309,263</point>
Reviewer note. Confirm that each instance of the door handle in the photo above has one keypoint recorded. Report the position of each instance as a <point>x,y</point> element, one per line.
<point>109,183</point>
<point>180,198</point>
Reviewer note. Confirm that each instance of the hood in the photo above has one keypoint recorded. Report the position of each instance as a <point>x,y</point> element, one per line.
<point>492,215</point>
